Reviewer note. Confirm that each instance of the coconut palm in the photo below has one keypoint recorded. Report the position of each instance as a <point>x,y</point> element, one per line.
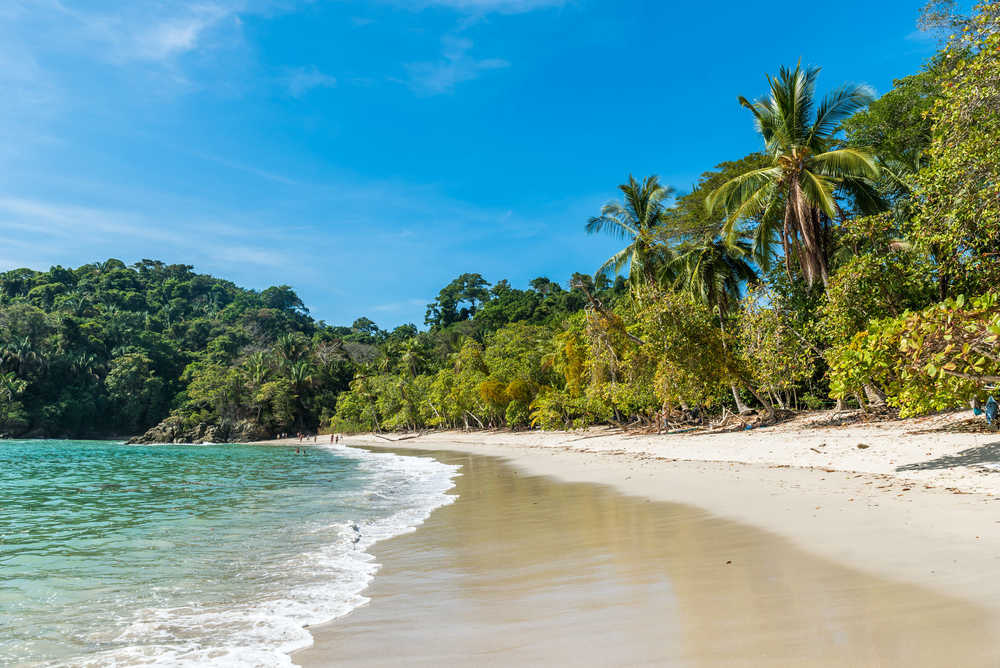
<point>11,386</point>
<point>258,368</point>
<point>290,349</point>
<point>635,220</point>
<point>20,354</point>
<point>301,375</point>
<point>807,168</point>
<point>713,270</point>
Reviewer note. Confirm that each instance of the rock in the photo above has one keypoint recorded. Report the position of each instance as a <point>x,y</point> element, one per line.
<point>172,430</point>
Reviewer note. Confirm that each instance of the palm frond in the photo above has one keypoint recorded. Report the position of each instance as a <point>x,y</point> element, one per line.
<point>612,225</point>
<point>866,198</point>
<point>845,163</point>
<point>818,190</point>
<point>836,107</point>
<point>613,265</point>
<point>735,192</point>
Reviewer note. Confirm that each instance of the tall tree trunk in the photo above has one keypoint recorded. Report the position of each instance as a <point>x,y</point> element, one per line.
<point>740,406</point>
<point>764,401</point>
<point>822,245</point>
<point>811,258</point>
<point>786,233</point>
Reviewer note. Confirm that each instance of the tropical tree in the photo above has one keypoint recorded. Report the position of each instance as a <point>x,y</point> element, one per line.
<point>11,386</point>
<point>713,271</point>
<point>807,168</point>
<point>635,220</point>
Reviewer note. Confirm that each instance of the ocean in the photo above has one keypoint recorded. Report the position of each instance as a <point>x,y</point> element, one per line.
<point>179,555</point>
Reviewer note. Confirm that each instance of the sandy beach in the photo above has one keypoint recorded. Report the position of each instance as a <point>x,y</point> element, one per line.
<point>845,555</point>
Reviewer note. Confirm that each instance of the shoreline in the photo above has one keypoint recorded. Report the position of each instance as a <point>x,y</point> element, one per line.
<point>529,568</point>
<point>913,507</point>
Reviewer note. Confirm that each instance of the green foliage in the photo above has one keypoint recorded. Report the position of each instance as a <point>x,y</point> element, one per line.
<point>884,278</point>
<point>958,192</point>
<point>936,359</point>
<point>806,168</point>
<point>457,301</point>
<point>777,355</point>
<point>109,349</point>
<point>882,209</point>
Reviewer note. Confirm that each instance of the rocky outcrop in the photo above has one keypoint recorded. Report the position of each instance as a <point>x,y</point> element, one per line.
<point>174,430</point>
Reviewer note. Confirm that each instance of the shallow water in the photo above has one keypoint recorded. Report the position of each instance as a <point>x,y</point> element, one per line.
<point>193,555</point>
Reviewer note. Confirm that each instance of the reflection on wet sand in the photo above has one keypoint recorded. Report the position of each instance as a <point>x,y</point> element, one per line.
<point>524,570</point>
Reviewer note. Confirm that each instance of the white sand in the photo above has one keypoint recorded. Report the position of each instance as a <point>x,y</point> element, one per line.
<point>936,524</point>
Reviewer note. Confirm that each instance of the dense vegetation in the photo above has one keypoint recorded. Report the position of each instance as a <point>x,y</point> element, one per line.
<point>852,260</point>
<point>110,349</point>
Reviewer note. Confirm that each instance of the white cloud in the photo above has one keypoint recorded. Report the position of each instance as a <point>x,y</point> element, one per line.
<point>395,307</point>
<point>142,31</point>
<point>481,6</point>
<point>301,80</point>
<point>63,232</point>
<point>454,67</point>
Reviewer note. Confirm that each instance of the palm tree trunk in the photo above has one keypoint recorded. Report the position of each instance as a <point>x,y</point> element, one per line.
<point>807,232</point>
<point>786,233</point>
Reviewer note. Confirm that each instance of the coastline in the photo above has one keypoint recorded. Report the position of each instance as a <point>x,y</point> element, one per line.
<point>529,569</point>
<point>913,507</point>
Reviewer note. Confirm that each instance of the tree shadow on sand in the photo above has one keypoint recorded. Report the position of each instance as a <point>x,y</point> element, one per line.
<point>984,454</point>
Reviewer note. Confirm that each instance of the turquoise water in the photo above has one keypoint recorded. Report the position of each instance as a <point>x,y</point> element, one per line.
<point>191,555</point>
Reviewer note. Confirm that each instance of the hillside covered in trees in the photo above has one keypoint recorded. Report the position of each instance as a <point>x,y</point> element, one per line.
<point>852,260</point>
<point>112,349</point>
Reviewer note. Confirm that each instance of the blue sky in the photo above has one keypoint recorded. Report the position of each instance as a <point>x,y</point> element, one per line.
<point>368,152</point>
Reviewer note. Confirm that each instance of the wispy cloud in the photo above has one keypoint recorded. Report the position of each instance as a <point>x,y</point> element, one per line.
<point>301,80</point>
<point>61,232</point>
<point>454,67</point>
<point>395,307</point>
<point>142,30</point>
<point>481,6</point>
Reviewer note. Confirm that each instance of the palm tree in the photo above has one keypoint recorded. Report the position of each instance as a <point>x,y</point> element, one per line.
<point>635,220</point>
<point>290,349</point>
<point>258,368</point>
<point>806,169</point>
<point>20,353</point>
<point>412,357</point>
<point>713,270</point>
<point>301,375</point>
<point>11,386</point>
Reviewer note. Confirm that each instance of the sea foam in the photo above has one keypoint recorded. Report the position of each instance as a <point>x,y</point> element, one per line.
<point>402,492</point>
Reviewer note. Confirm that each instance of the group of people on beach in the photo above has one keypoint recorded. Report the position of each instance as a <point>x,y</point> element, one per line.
<point>334,438</point>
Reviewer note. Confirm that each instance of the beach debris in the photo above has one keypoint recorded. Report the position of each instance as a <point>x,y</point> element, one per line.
<point>730,561</point>
<point>816,451</point>
<point>863,446</point>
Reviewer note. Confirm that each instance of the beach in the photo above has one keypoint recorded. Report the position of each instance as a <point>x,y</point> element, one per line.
<point>727,549</point>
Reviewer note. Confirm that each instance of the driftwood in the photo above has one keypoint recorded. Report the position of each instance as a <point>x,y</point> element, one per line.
<point>403,438</point>
<point>584,438</point>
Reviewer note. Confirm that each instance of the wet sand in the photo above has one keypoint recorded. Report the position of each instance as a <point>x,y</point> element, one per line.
<point>526,570</point>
